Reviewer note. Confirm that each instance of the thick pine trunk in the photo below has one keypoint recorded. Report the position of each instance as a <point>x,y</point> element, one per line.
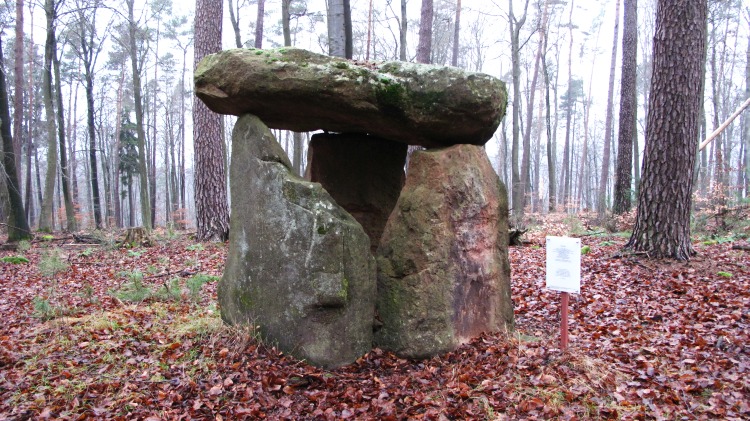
<point>211,210</point>
<point>662,226</point>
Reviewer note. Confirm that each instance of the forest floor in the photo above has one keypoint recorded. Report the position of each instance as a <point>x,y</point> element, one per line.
<point>96,331</point>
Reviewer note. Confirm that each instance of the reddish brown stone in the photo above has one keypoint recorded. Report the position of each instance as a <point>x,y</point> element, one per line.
<point>443,271</point>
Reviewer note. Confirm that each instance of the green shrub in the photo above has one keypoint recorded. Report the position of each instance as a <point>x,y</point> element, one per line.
<point>52,263</point>
<point>195,284</point>
<point>134,291</point>
<point>23,246</point>
<point>14,259</point>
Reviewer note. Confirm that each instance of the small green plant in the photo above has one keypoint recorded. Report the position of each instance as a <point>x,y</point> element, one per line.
<point>133,291</point>
<point>607,243</point>
<point>195,247</point>
<point>51,264</point>
<point>724,274</point>
<point>43,309</point>
<point>170,291</point>
<point>135,253</point>
<point>48,237</point>
<point>14,259</point>
<point>585,250</point>
<point>87,252</point>
<point>23,246</point>
<point>195,284</point>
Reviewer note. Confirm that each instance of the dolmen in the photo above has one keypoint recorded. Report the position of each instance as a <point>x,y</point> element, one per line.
<point>359,253</point>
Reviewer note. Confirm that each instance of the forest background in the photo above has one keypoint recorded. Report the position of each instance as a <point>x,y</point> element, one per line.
<point>561,159</point>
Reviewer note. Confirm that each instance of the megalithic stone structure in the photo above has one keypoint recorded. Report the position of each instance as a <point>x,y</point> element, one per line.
<point>301,262</point>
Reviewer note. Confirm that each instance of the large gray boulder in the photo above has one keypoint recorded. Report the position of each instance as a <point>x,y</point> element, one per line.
<point>298,90</point>
<point>298,265</point>
<point>443,270</point>
<point>362,173</point>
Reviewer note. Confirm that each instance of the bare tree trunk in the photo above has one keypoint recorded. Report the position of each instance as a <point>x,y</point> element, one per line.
<point>627,140</point>
<point>18,225</point>
<point>19,91</point>
<point>140,130</point>
<point>29,137</point>
<point>746,118</point>
<point>402,33</point>
<point>369,31</point>
<point>566,175</point>
<point>662,226</point>
<point>234,18</point>
<point>70,213</point>
<point>47,207</point>
<point>340,29</point>
<point>456,34</point>
<point>211,209</point>
<point>259,24</point>
<point>608,123</point>
<point>526,157</point>
<point>424,46</point>
<point>518,185</point>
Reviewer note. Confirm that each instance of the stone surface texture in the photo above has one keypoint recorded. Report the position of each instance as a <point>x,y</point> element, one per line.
<point>299,90</point>
<point>443,270</point>
<point>299,266</point>
<point>362,173</point>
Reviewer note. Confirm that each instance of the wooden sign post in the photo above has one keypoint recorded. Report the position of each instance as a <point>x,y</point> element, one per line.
<point>564,274</point>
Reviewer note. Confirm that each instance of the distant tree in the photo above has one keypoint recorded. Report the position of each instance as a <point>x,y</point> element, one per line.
<point>340,29</point>
<point>46,222</point>
<point>456,33</point>
<point>424,46</point>
<point>234,19</point>
<point>608,123</point>
<point>628,109</point>
<point>211,210</point>
<point>259,24</point>
<point>402,32</point>
<point>87,45</point>
<point>136,38</point>
<point>662,226</point>
<point>18,225</point>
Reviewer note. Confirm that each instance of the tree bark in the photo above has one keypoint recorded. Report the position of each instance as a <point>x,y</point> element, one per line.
<point>662,226</point>
<point>70,213</point>
<point>136,66</point>
<point>403,26</point>
<point>259,24</point>
<point>424,46</point>
<point>211,209</point>
<point>456,34</point>
<point>340,29</point>
<point>47,207</point>
<point>627,134</point>
<point>19,89</point>
<point>608,123</point>
<point>18,225</point>
<point>234,18</point>
<point>518,186</point>
<point>746,118</point>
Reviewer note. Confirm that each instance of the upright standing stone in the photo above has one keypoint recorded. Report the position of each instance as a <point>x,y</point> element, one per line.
<point>298,265</point>
<point>443,270</point>
<point>362,173</point>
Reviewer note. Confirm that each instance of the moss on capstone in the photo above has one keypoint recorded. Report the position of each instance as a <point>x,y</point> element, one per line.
<point>391,95</point>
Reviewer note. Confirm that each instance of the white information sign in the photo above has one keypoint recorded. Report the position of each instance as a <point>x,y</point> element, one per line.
<point>564,264</point>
